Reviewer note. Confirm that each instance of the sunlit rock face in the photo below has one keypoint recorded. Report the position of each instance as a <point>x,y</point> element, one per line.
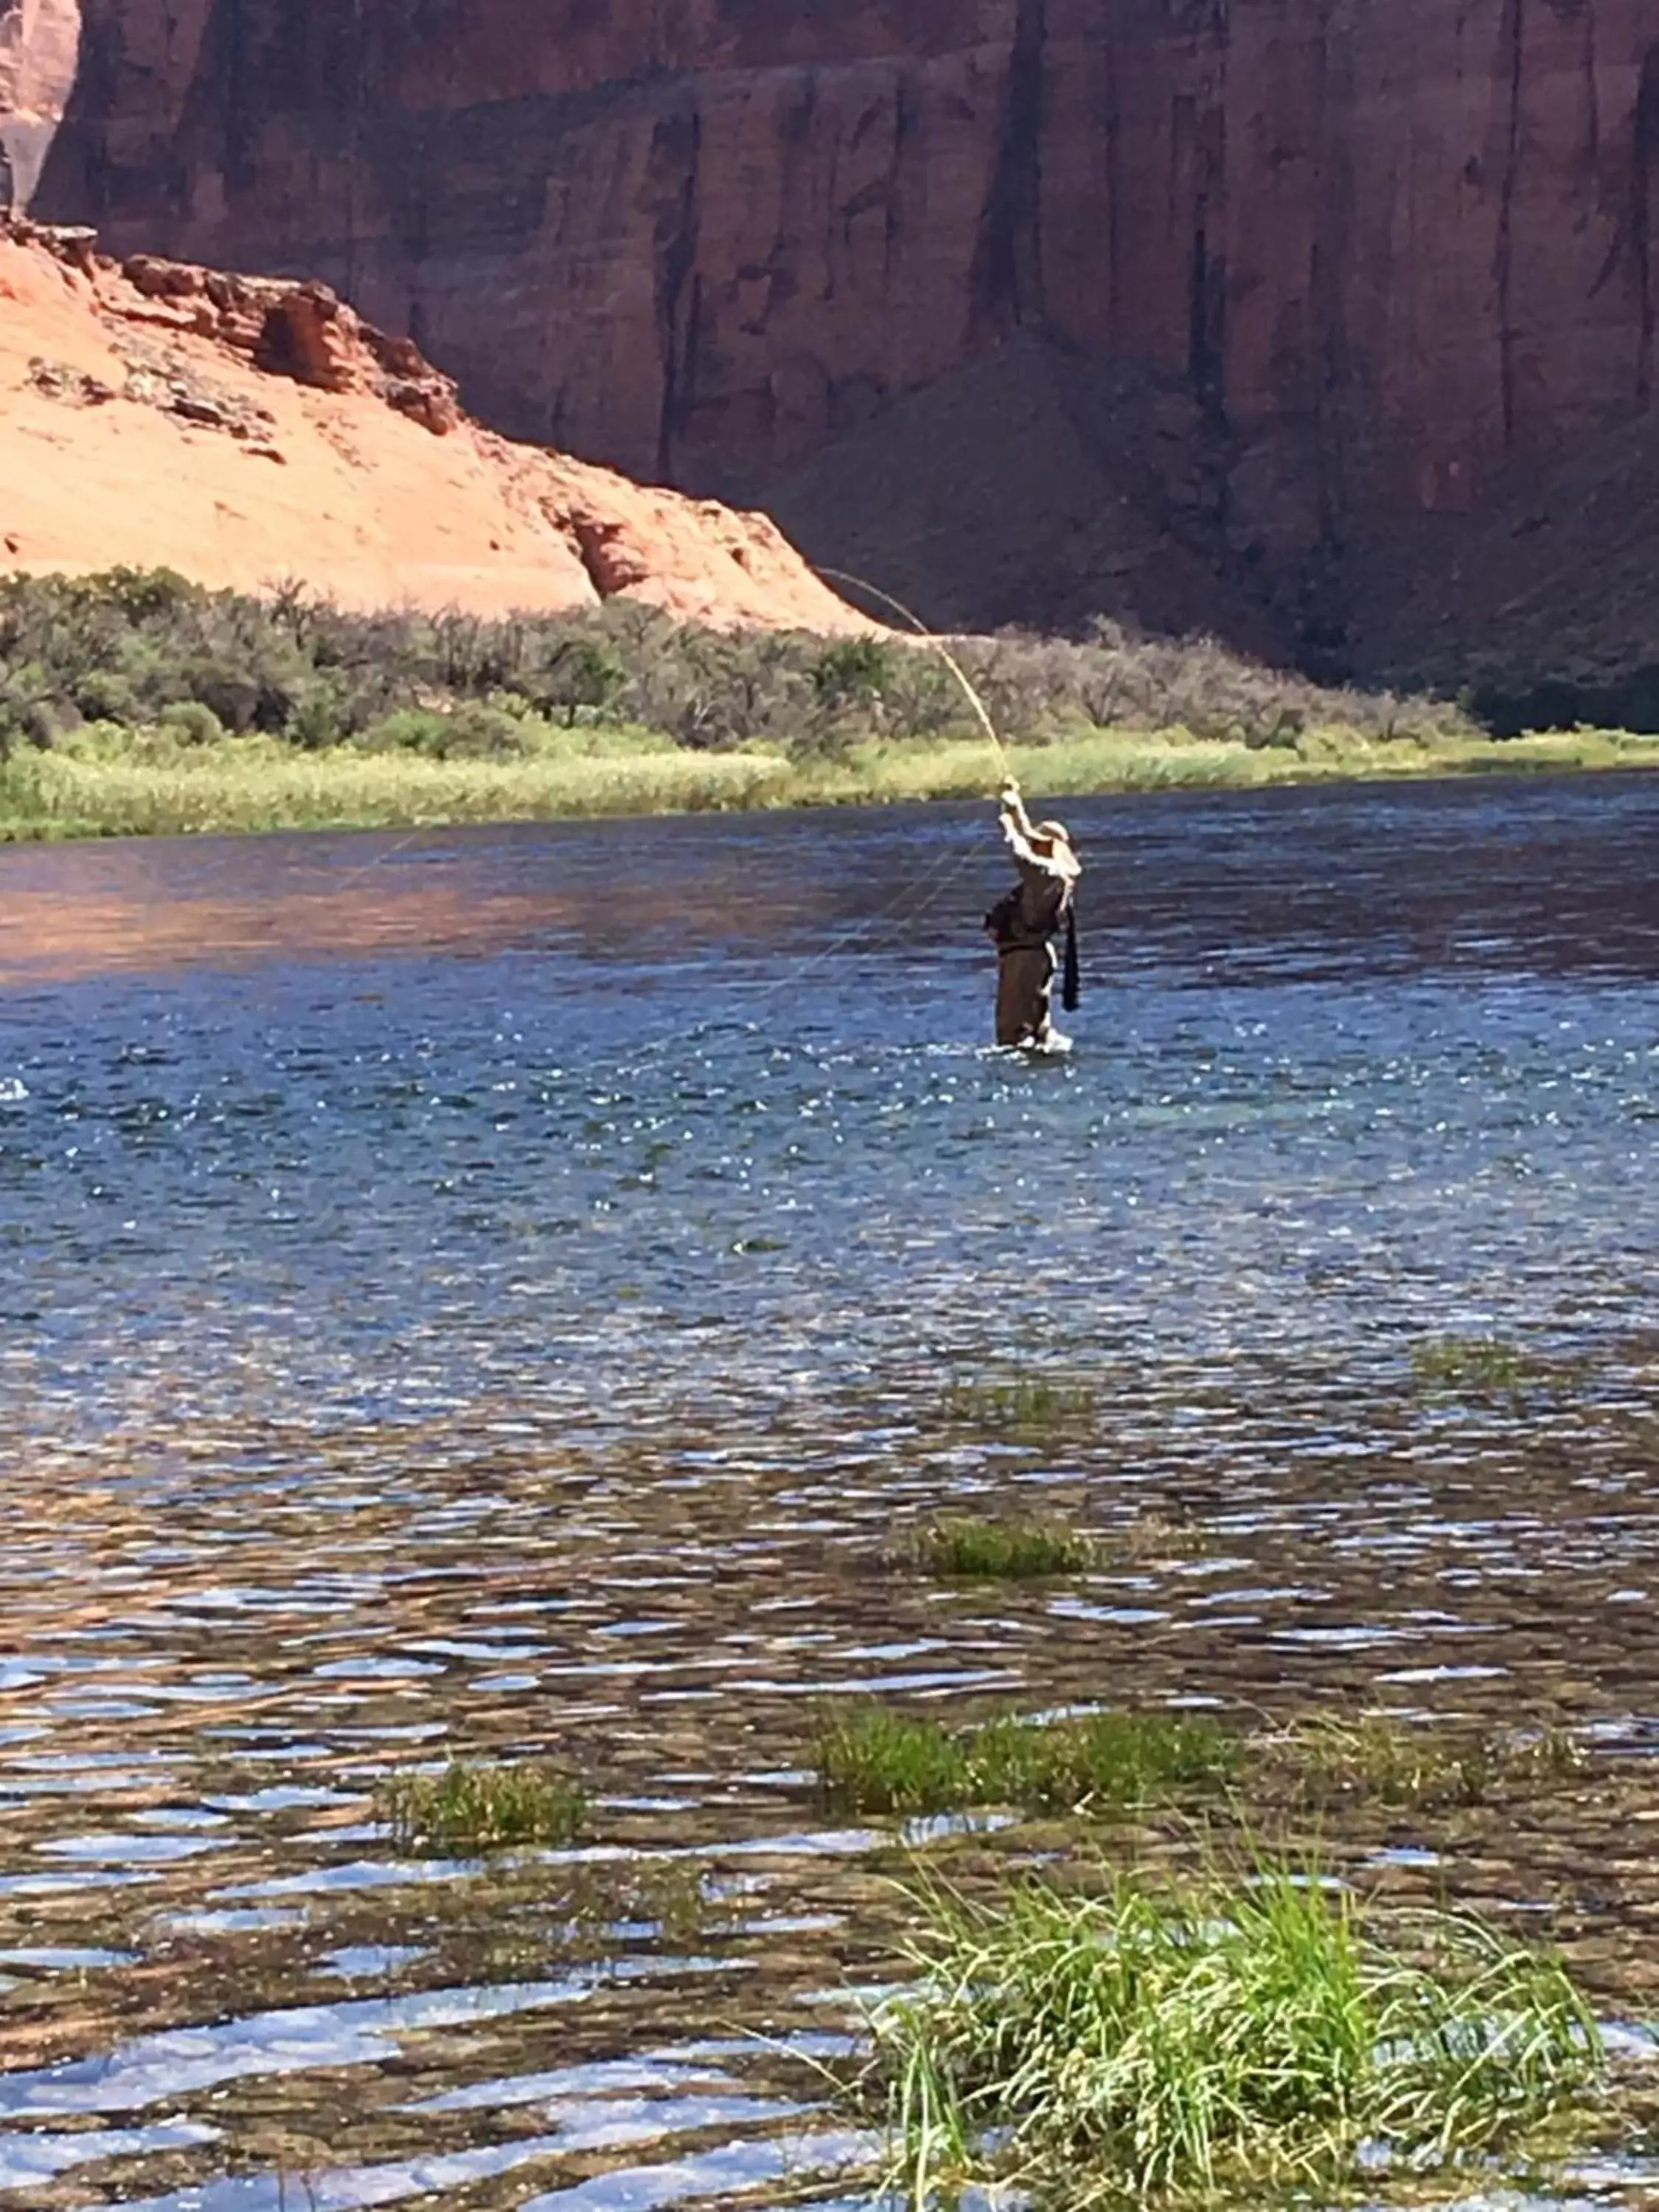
<point>39,43</point>
<point>1369,257</point>
<point>134,396</point>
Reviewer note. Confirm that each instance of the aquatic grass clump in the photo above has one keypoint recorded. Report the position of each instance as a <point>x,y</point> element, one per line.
<point>1491,1367</point>
<point>483,1809</point>
<point>513,1914</point>
<point>1204,2034</point>
<point>1031,1409</point>
<point>1156,1536</point>
<point>870,1759</point>
<point>1479,1364</point>
<point>533,1914</point>
<point>1401,1762</point>
<point>1000,1551</point>
<point>1381,1758</point>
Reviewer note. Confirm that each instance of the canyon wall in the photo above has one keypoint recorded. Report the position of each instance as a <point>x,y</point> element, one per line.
<point>40,48</point>
<point>1362,261</point>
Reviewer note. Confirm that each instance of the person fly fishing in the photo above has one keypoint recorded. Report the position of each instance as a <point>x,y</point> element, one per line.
<point>1023,923</point>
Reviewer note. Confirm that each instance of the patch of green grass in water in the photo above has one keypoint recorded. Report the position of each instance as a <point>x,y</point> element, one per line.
<point>872,1760</point>
<point>1177,2040</point>
<point>1399,1763</point>
<point>541,1914</point>
<point>1031,1408</point>
<point>1468,1363</point>
<point>483,1809</point>
<point>1492,1367</point>
<point>1000,1551</point>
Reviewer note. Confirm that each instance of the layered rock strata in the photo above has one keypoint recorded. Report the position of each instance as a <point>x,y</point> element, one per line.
<point>1368,261</point>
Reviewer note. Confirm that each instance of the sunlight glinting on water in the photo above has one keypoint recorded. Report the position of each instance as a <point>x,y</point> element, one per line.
<point>515,1303</point>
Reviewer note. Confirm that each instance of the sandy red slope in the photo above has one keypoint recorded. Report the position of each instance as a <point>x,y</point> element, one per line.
<point>250,432</point>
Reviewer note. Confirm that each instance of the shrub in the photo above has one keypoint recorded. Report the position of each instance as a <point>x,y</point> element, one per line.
<point>125,645</point>
<point>139,595</point>
<point>26,708</point>
<point>252,680</point>
<point>319,714</point>
<point>853,672</point>
<point>105,694</point>
<point>575,674</point>
<point>191,722</point>
<point>470,732</point>
<point>923,699</point>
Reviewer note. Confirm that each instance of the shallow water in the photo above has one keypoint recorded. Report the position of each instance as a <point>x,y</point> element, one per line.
<point>506,1291</point>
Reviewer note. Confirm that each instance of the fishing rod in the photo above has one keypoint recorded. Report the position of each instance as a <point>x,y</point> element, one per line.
<point>918,894</point>
<point>981,712</point>
<point>1069,993</point>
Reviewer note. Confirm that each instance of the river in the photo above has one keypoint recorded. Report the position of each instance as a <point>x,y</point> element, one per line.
<point>504,1292</point>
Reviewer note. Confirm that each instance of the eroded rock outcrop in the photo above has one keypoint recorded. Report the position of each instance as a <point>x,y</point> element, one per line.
<point>302,330</point>
<point>1373,260</point>
<point>249,430</point>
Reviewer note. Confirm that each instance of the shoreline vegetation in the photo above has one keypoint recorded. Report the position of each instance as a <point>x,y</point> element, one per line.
<point>137,703</point>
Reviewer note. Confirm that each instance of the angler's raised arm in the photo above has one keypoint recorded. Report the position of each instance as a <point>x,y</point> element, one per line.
<point>1034,856</point>
<point>1016,829</point>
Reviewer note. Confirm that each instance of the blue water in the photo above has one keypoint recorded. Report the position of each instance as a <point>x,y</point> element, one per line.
<point>502,1291</point>
<point>587,1115</point>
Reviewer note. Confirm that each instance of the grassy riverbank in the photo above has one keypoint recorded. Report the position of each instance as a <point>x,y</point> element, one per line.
<point>136,704</point>
<point>148,785</point>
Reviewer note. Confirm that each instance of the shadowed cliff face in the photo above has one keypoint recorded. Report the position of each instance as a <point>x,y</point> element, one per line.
<point>1378,258</point>
<point>39,42</point>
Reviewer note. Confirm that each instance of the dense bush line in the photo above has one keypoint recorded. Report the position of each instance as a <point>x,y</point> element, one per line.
<point>147,650</point>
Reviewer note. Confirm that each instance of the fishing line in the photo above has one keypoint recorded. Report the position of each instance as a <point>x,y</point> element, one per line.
<point>877,931</point>
<point>917,895</point>
<point>982,712</point>
<point>906,908</point>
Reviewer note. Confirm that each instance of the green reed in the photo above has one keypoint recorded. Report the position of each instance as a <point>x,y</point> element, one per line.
<point>483,1809</point>
<point>1478,1363</point>
<point>1000,1551</point>
<point>1401,1762</point>
<point>260,783</point>
<point>870,1759</point>
<point>1492,1367</point>
<point>1209,2033</point>
<point>135,788</point>
<point>1031,1408</point>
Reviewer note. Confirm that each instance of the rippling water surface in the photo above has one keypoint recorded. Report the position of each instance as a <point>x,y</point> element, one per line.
<point>505,1292</point>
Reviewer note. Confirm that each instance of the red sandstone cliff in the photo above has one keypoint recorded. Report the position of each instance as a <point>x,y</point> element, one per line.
<point>1361,261</point>
<point>249,430</point>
